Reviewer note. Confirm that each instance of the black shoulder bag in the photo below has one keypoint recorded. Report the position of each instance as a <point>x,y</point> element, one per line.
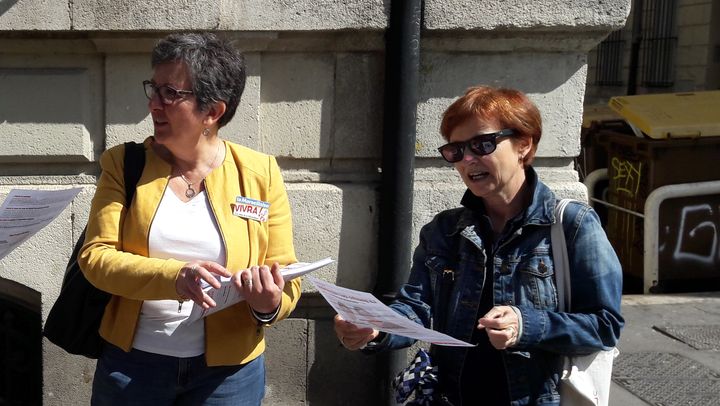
<point>74,319</point>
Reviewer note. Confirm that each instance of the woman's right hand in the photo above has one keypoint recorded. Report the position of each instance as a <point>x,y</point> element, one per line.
<point>351,336</point>
<point>187,283</point>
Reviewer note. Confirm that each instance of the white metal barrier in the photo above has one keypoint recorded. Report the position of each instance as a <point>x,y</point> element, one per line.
<point>591,179</point>
<point>651,216</point>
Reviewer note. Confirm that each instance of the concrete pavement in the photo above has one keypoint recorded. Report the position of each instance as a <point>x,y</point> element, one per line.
<point>662,370</point>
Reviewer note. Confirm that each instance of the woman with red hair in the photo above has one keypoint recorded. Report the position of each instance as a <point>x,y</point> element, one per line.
<point>483,272</point>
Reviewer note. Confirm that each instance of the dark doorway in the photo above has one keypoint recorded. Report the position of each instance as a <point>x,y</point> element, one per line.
<point>20,345</point>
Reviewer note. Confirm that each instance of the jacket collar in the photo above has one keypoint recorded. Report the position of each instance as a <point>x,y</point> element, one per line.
<point>541,209</point>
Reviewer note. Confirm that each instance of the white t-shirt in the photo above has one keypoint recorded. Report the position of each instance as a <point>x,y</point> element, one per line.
<point>186,232</point>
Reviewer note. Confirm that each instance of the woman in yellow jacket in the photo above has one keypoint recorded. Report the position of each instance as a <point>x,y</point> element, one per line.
<point>203,208</point>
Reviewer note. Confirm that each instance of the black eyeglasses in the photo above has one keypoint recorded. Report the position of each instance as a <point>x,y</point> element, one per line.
<point>481,144</point>
<point>168,95</point>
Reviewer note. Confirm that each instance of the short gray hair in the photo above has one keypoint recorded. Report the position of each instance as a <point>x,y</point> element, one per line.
<point>216,68</point>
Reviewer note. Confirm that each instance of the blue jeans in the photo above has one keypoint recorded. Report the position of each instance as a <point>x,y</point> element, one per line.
<point>143,378</point>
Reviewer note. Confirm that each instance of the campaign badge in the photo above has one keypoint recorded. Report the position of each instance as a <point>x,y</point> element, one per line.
<point>250,209</point>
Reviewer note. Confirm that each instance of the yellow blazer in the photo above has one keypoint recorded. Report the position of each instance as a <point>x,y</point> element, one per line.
<point>115,259</point>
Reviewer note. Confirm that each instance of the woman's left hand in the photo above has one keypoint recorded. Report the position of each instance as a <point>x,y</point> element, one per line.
<point>262,287</point>
<point>501,324</point>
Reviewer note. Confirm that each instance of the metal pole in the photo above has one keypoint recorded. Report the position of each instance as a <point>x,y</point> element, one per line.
<point>402,61</point>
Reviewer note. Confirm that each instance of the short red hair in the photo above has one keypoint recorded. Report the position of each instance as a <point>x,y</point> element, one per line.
<point>510,108</point>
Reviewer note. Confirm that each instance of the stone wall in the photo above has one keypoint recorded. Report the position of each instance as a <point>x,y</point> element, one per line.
<point>70,76</point>
<point>698,55</point>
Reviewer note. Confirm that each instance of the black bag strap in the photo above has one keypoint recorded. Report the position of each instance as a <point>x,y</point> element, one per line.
<point>134,162</point>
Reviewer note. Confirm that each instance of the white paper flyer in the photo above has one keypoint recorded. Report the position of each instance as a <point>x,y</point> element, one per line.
<point>364,310</point>
<point>25,212</point>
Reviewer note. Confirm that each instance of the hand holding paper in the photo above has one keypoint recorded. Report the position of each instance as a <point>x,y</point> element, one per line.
<point>228,294</point>
<point>262,286</point>
<point>364,310</point>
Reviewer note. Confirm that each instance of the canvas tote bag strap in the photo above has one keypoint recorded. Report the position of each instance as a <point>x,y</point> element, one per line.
<point>560,257</point>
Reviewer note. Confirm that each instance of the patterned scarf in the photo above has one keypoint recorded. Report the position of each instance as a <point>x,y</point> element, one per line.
<point>420,378</point>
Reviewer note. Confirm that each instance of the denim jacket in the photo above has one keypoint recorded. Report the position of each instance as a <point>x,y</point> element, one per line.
<point>449,270</point>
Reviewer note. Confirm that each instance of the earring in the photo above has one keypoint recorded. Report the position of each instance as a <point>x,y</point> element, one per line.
<point>206,132</point>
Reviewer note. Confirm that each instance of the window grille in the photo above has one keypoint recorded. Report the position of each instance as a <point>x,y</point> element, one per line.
<point>659,43</point>
<point>610,60</point>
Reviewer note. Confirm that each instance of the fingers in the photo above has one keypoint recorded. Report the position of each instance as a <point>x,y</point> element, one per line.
<point>502,338</point>
<point>207,301</point>
<point>351,336</point>
<point>498,317</point>
<point>188,286</point>
<point>215,268</point>
<point>207,272</point>
<point>248,280</point>
<point>345,328</point>
<point>187,279</point>
<point>261,286</point>
<point>248,277</point>
<point>260,278</point>
<point>268,277</point>
<point>501,324</point>
<point>277,276</point>
<point>342,327</point>
<point>356,343</point>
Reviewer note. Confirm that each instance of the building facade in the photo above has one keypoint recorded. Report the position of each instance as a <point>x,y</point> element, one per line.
<point>667,46</point>
<point>70,80</point>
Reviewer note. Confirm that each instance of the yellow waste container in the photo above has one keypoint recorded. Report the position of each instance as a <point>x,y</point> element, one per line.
<point>672,115</point>
<point>675,140</point>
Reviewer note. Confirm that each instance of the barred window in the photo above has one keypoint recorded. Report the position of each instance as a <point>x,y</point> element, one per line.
<point>659,43</point>
<point>610,60</point>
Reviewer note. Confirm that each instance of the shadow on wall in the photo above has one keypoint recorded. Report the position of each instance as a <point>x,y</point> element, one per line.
<point>439,73</point>
<point>357,264</point>
<point>6,5</point>
<point>49,95</point>
<point>354,374</point>
<point>297,103</point>
<point>351,374</point>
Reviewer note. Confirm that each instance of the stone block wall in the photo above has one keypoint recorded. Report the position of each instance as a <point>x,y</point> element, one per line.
<point>698,55</point>
<point>71,72</point>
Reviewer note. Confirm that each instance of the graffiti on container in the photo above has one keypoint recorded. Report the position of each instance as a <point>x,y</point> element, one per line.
<point>698,235</point>
<point>627,176</point>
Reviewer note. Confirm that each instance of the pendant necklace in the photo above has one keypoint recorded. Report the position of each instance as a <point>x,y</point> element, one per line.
<point>191,192</point>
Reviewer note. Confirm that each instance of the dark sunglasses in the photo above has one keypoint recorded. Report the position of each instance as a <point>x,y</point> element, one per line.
<point>168,95</point>
<point>481,144</point>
